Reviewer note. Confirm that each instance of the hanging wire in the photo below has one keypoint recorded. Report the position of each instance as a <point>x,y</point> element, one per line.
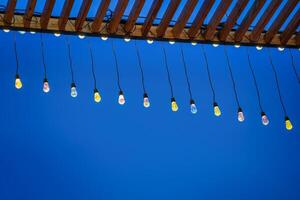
<point>208,73</point>
<point>254,79</point>
<point>140,66</point>
<point>43,56</point>
<point>277,83</point>
<point>232,78</point>
<point>186,73</point>
<point>70,59</point>
<point>117,65</point>
<point>16,53</point>
<point>93,67</point>
<point>168,72</point>
<point>294,66</point>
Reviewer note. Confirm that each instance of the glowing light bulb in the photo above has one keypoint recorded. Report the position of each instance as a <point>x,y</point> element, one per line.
<point>288,124</point>
<point>217,110</point>
<point>280,48</point>
<point>215,44</point>
<point>127,39</point>
<point>22,32</point>
<point>150,41</point>
<point>46,86</point>
<point>121,98</point>
<point>56,34</point>
<point>6,30</point>
<point>193,107</point>
<point>237,46</point>
<point>264,119</point>
<point>97,96</point>
<point>73,90</point>
<point>172,42</point>
<point>259,48</point>
<point>194,43</point>
<point>146,101</point>
<point>104,37</point>
<point>81,36</point>
<point>174,105</point>
<point>241,116</point>
<point>18,82</point>
<point>32,32</point>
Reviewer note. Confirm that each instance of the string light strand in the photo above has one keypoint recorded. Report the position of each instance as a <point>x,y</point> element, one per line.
<point>186,72</point>
<point>140,66</point>
<point>93,66</point>
<point>43,56</point>
<point>168,72</point>
<point>70,59</point>
<point>116,65</point>
<point>16,53</point>
<point>294,66</point>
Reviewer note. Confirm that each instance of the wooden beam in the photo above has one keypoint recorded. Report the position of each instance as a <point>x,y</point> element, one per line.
<point>29,13</point>
<point>117,16</point>
<point>84,9</point>
<point>252,13</point>
<point>199,19</point>
<point>297,38</point>
<point>216,18</point>
<point>46,14</point>
<point>280,19</point>
<point>291,28</point>
<point>184,17</point>
<point>135,12</point>
<point>164,23</point>
<point>9,11</point>
<point>65,13</point>
<point>101,12</point>
<point>269,12</point>
<point>232,18</point>
<point>151,16</point>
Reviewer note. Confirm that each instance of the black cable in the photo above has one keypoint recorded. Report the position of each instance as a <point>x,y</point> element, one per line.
<point>140,66</point>
<point>93,67</point>
<point>116,65</point>
<point>43,56</point>
<point>70,59</point>
<point>277,83</point>
<point>168,72</point>
<point>294,66</point>
<point>232,78</point>
<point>16,53</point>
<point>254,79</point>
<point>208,73</point>
<point>186,73</point>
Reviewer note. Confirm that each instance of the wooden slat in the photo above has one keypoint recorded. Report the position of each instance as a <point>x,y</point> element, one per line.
<point>164,23</point>
<point>232,18</point>
<point>297,39</point>
<point>65,13</point>
<point>259,27</point>
<point>46,14</point>
<point>216,18</point>
<point>9,11</point>
<point>290,29</point>
<point>101,12</point>
<point>84,9</point>
<point>280,19</point>
<point>252,13</point>
<point>136,9</point>
<point>29,13</point>
<point>151,16</point>
<point>184,17</point>
<point>199,19</point>
<point>117,16</point>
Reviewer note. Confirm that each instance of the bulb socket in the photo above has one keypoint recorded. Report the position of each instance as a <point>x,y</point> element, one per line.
<point>73,85</point>
<point>145,95</point>
<point>95,90</point>
<point>240,109</point>
<point>45,80</point>
<point>192,101</point>
<point>121,92</point>
<point>215,104</point>
<point>286,118</point>
<point>17,76</point>
<point>173,99</point>
<point>263,113</point>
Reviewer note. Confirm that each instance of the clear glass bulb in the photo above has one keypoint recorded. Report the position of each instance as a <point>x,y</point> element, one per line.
<point>56,34</point>
<point>6,30</point>
<point>264,119</point>
<point>81,36</point>
<point>217,110</point>
<point>32,32</point>
<point>46,86</point>
<point>121,98</point>
<point>193,108</point>
<point>127,39</point>
<point>194,43</point>
<point>104,37</point>
<point>237,46</point>
<point>259,47</point>
<point>171,42</point>
<point>280,48</point>
<point>22,32</point>
<point>150,41</point>
<point>241,116</point>
<point>146,101</point>
<point>174,105</point>
<point>18,82</point>
<point>288,124</point>
<point>73,90</point>
<point>215,44</point>
<point>97,96</point>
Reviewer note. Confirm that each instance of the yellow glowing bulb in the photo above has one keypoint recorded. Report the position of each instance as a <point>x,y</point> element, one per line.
<point>288,124</point>
<point>97,97</point>
<point>174,105</point>
<point>217,110</point>
<point>18,82</point>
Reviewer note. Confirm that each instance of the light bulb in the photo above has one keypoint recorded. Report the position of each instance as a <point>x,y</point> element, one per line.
<point>215,44</point>
<point>6,30</point>
<point>121,98</point>
<point>97,97</point>
<point>73,90</point>
<point>194,43</point>
<point>193,107</point>
<point>46,86</point>
<point>241,116</point>
<point>172,42</point>
<point>259,47</point>
<point>217,110</point>
<point>280,48</point>
<point>127,39</point>
<point>174,105</point>
<point>264,119</point>
<point>22,32</point>
<point>146,101</point>
<point>103,37</point>
<point>56,34</point>
<point>150,41</point>
<point>18,82</point>
<point>81,36</point>
<point>288,124</point>
<point>32,32</point>
<point>237,46</point>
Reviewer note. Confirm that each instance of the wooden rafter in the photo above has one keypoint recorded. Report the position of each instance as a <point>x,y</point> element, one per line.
<point>65,13</point>
<point>46,14</point>
<point>164,23</point>
<point>101,12</point>
<point>201,15</point>
<point>252,13</point>
<point>291,28</point>
<point>135,12</point>
<point>280,19</point>
<point>117,16</point>
<point>151,16</point>
<point>184,17</point>
<point>29,13</point>
<point>9,11</point>
<point>297,38</point>
<point>84,9</point>
<point>232,18</point>
<point>216,18</point>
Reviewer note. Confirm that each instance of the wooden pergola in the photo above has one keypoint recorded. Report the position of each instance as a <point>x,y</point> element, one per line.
<point>117,26</point>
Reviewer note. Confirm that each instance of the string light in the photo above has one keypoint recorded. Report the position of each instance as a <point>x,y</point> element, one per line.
<point>73,85</point>
<point>280,48</point>
<point>18,82</point>
<point>81,36</point>
<point>288,123</point>
<point>193,106</point>
<point>194,43</point>
<point>216,107</point>
<point>22,32</point>
<point>46,86</point>
<point>32,32</point>
<point>150,41</point>
<point>6,30</point>
<point>127,39</point>
<point>237,46</point>
<point>57,34</point>
<point>215,44</point>
<point>172,42</point>
<point>294,66</point>
<point>259,48</point>
<point>97,96</point>
<point>104,38</point>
